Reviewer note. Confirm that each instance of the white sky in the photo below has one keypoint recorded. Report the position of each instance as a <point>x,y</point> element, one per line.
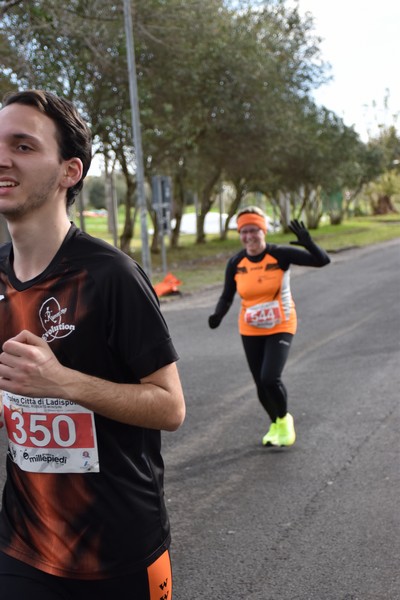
<point>361,41</point>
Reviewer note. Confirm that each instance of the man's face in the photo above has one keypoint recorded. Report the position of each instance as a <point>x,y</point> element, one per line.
<point>30,167</point>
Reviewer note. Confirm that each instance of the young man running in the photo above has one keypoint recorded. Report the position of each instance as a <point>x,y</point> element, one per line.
<point>89,378</point>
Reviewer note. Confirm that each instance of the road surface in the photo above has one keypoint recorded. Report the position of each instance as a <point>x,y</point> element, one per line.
<point>318,521</point>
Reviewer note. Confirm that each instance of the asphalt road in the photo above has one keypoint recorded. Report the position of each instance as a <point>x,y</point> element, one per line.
<point>318,521</point>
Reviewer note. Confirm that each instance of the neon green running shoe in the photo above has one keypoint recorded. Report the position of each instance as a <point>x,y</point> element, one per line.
<point>271,437</point>
<point>285,430</point>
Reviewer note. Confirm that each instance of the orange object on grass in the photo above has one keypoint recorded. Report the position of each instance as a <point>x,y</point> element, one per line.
<point>169,285</point>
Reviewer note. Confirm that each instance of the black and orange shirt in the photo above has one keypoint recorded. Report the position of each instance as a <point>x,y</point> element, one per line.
<point>263,284</point>
<point>84,494</point>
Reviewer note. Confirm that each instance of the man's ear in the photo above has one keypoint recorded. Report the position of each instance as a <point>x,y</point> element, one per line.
<point>73,169</point>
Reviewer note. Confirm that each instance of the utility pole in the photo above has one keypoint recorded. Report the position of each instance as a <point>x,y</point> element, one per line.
<point>137,137</point>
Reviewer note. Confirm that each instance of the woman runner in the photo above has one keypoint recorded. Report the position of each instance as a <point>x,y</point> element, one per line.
<point>260,273</point>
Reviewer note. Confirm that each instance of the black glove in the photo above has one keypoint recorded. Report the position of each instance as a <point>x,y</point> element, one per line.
<point>214,321</point>
<point>301,232</point>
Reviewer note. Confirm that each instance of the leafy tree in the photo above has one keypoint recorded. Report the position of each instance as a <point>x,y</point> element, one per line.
<point>382,190</point>
<point>253,74</point>
<point>388,142</point>
<point>230,101</point>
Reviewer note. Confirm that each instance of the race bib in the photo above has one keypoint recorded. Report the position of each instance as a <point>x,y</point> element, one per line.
<point>265,315</point>
<point>50,435</point>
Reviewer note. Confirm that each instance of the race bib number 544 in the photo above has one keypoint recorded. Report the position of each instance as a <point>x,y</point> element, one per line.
<point>50,435</point>
<point>265,315</point>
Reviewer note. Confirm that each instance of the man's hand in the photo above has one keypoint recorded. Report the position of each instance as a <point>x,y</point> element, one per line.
<point>28,367</point>
<point>301,232</point>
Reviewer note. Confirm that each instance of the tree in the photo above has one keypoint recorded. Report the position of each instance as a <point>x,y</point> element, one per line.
<point>256,69</point>
<point>384,180</point>
<point>228,102</point>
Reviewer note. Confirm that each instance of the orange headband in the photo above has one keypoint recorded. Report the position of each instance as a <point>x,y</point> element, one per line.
<point>251,219</point>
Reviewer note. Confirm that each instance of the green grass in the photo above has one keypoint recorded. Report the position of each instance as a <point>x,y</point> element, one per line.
<point>202,265</point>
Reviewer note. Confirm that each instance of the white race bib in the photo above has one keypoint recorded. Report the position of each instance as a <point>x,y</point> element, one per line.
<point>265,315</point>
<point>50,435</point>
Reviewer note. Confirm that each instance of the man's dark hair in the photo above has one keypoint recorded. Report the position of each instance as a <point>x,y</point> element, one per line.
<point>73,135</point>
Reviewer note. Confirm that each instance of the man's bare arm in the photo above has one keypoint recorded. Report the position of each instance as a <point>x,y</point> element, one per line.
<point>29,367</point>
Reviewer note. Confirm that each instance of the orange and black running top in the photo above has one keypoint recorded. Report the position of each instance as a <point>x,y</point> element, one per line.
<point>84,494</point>
<point>263,284</point>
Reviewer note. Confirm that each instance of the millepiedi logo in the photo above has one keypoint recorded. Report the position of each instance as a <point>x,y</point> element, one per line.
<point>52,318</point>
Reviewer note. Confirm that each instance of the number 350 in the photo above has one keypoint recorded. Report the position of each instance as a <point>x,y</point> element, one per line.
<point>40,432</point>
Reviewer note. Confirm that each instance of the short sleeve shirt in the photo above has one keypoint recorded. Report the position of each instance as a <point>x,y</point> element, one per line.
<point>84,494</point>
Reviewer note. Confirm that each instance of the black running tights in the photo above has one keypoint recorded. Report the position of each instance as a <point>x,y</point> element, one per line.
<point>266,356</point>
